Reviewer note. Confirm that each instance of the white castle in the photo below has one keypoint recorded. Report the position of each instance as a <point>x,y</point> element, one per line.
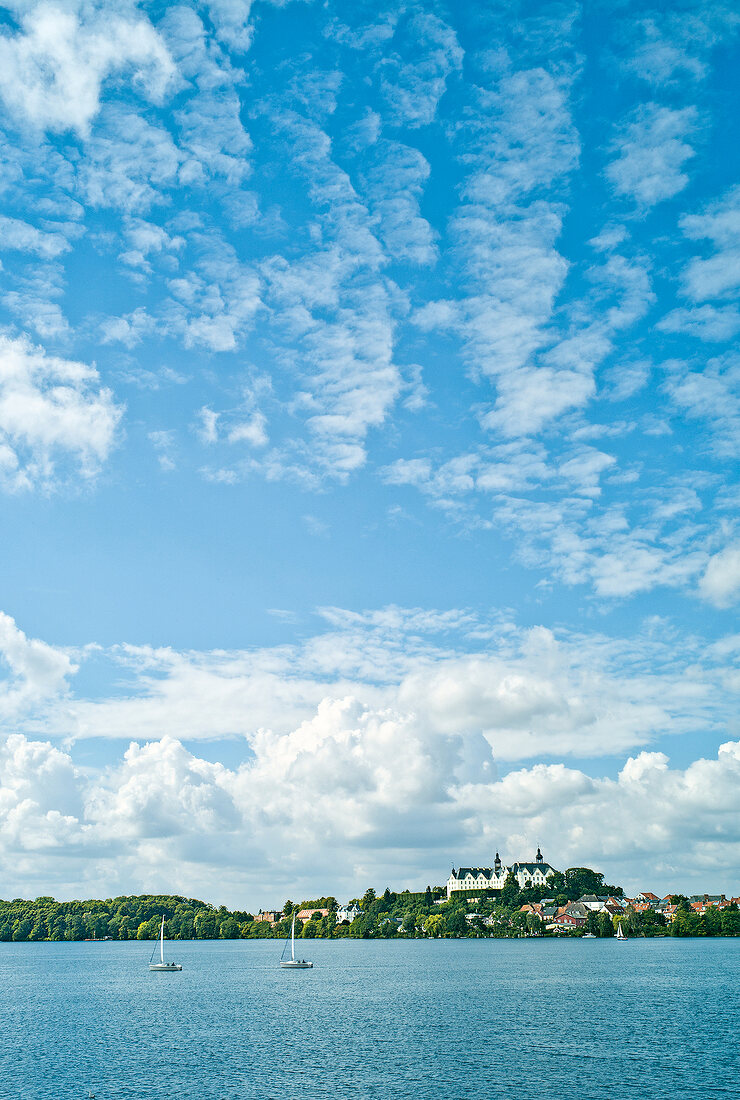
<point>493,878</point>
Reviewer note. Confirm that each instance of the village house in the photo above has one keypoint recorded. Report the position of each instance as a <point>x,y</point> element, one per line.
<point>269,917</point>
<point>306,914</point>
<point>348,913</point>
<point>493,878</point>
<point>566,922</point>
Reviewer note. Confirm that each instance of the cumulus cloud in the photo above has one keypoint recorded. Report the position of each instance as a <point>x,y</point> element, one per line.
<point>708,323</point>
<point>166,819</point>
<point>674,45</point>
<point>37,671</point>
<point>413,89</point>
<point>19,235</point>
<point>717,275</point>
<point>652,823</point>
<point>720,582</point>
<point>396,180</point>
<point>55,418</point>
<point>712,395</point>
<point>52,70</point>
<point>525,692</point>
<point>377,747</point>
<point>652,154</point>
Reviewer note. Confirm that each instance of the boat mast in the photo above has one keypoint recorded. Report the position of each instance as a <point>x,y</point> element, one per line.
<point>161,942</point>
<point>292,940</point>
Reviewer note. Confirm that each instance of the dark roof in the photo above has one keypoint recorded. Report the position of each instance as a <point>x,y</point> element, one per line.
<point>532,867</point>
<point>474,871</point>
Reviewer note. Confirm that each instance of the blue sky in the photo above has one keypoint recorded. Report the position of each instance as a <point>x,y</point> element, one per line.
<point>369,424</point>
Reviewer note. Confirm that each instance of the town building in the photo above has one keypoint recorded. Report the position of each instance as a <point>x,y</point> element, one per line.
<point>306,914</point>
<point>566,922</point>
<point>268,918</point>
<point>348,913</point>
<point>493,878</point>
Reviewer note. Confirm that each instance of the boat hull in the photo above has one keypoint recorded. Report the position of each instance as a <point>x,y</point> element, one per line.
<point>296,964</point>
<point>165,968</point>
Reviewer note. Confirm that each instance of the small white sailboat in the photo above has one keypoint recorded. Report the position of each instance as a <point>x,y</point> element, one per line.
<point>620,934</point>
<point>168,968</point>
<point>293,963</point>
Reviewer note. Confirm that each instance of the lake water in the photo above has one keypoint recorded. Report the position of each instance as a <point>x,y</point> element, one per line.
<point>442,1020</point>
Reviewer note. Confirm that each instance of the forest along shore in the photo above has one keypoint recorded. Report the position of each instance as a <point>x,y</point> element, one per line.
<point>577,904</point>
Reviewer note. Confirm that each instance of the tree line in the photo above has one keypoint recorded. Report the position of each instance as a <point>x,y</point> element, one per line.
<point>405,913</point>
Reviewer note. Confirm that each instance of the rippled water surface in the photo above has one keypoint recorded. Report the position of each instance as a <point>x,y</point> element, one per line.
<point>442,1020</point>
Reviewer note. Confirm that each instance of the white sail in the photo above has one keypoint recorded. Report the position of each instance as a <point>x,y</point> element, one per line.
<point>293,963</point>
<point>162,966</point>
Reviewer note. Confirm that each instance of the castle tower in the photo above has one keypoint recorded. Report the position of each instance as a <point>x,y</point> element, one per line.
<point>497,863</point>
<point>540,857</point>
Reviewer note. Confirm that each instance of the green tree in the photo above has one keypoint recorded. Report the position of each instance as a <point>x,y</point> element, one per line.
<point>713,921</point>
<point>21,930</point>
<point>606,927</point>
<point>456,923</point>
<point>229,929</point>
<point>730,922</point>
<point>510,891</point>
<point>408,924</point>
<point>582,880</point>
<point>435,925</point>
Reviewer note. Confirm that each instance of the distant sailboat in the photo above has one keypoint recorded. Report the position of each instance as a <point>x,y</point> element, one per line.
<point>620,934</point>
<point>293,963</point>
<point>162,965</point>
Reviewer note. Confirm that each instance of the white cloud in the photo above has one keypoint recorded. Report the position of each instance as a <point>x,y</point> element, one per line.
<point>166,819</point>
<point>215,302</point>
<point>54,417</point>
<point>526,692</point>
<point>674,45</point>
<point>250,431</point>
<point>720,583</point>
<point>334,313</point>
<point>129,162</point>
<point>19,235</point>
<point>38,671</point>
<point>652,154</point>
<point>397,722</point>
<point>521,143</point>
<point>129,330</point>
<point>706,322</point>
<point>212,132</point>
<point>718,275</point>
<point>396,182</point>
<point>413,89</point>
<point>208,429</point>
<point>53,69</point>
<point>652,827</point>
<point>163,442</point>
<point>711,394</point>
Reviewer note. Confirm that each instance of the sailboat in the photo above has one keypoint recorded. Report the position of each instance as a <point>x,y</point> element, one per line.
<point>293,963</point>
<point>620,934</point>
<point>169,968</point>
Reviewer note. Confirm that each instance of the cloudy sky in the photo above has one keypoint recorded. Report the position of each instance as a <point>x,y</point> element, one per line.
<point>369,432</point>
